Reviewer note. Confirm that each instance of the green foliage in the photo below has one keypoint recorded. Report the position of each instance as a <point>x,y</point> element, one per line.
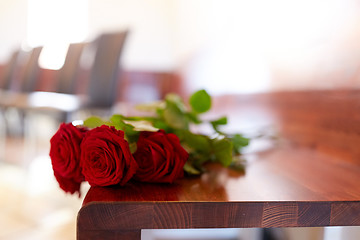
<point>173,116</point>
<point>190,169</point>
<point>220,121</point>
<point>239,142</point>
<point>200,101</point>
<point>116,121</point>
<point>130,133</point>
<point>223,151</point>
<point>93,122</point>
<point>193,117</point>
<point>216,123</point>
<point>197,142</point>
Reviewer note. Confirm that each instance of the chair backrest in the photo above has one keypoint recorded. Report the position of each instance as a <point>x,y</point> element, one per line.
<point>30,75</point>
<point>9,71</point>
<point>66,81</point>
<point>105,70</point>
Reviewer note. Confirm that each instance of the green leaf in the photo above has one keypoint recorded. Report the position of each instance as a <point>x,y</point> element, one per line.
<point>239,142</point>
<point>161,125</point>
<point>191,170</point>
<point>175,99</point>
<point>130,134</point>
<point>197,142</point>
<point>193,117</point>
<point>220,121</point>
<point>116,118</point>
<point>174,115</point>
<point>133,147</point>
<point>223,151</point>
<point>160,112</point>
<point>200,101</point>
<point>142,125</point>
<point>150,107</point>
<point>93,122</point>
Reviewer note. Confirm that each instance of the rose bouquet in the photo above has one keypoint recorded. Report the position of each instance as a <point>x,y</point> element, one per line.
<point>160,148</point>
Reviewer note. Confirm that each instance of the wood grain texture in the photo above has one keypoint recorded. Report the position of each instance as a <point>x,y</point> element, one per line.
<point>282,187</point>
<point>307,178</point>
<point>345,214</point>
<point>173,215</point>
<point>109,235</point>
<point>328,120</point>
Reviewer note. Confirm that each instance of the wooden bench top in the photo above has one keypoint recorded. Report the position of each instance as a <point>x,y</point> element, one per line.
<point>304,179</point>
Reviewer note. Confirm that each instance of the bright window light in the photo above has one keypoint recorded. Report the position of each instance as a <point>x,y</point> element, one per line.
<point>249,39</point>
<point>54,24</point>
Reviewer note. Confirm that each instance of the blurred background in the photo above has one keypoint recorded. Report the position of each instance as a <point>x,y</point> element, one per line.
<point>153,47</point>
<point>250,46</point>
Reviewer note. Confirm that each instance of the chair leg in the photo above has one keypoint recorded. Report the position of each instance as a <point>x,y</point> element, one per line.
<point>2,136</point>
<point>273,234</point>
<point>30,138</point>
<point>14,121</point>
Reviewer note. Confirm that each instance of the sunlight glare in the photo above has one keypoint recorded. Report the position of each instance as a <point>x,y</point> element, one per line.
<point>54,24</point>
<point>249,37</point>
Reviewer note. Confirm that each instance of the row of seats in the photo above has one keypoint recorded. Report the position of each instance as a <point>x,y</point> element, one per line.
<point>18,85</point>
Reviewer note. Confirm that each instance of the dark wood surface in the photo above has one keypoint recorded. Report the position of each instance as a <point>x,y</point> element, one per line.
<point>292,181</point>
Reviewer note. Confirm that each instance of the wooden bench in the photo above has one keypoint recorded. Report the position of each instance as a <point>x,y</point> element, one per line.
<point>309,176</point>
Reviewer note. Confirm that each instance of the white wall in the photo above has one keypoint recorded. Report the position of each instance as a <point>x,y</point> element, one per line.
<point>150,43</point>
<point>13,15</point>
<point>266,45</point>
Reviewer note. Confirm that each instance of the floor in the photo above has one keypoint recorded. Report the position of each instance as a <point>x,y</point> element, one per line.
<point>32,205</point>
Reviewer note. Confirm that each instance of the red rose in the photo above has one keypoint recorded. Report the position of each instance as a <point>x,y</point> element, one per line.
<point>106,158</point>
<point>160,157</point>
<point>65,157</point>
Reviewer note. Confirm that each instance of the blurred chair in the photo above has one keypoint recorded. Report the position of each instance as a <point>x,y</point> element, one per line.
<point>30,76</point>
<point>20,79</point>
<point>99,96</point>
<point>105,71</point>
<point>102,85</point>
<point>9,72</point>
<point>28,81</point>
<point>5,84</point>
<point>21,76</point>
<point>6,80</point>
<point>67,77</point>
<point>64,91</point>
<point>16,101</point>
